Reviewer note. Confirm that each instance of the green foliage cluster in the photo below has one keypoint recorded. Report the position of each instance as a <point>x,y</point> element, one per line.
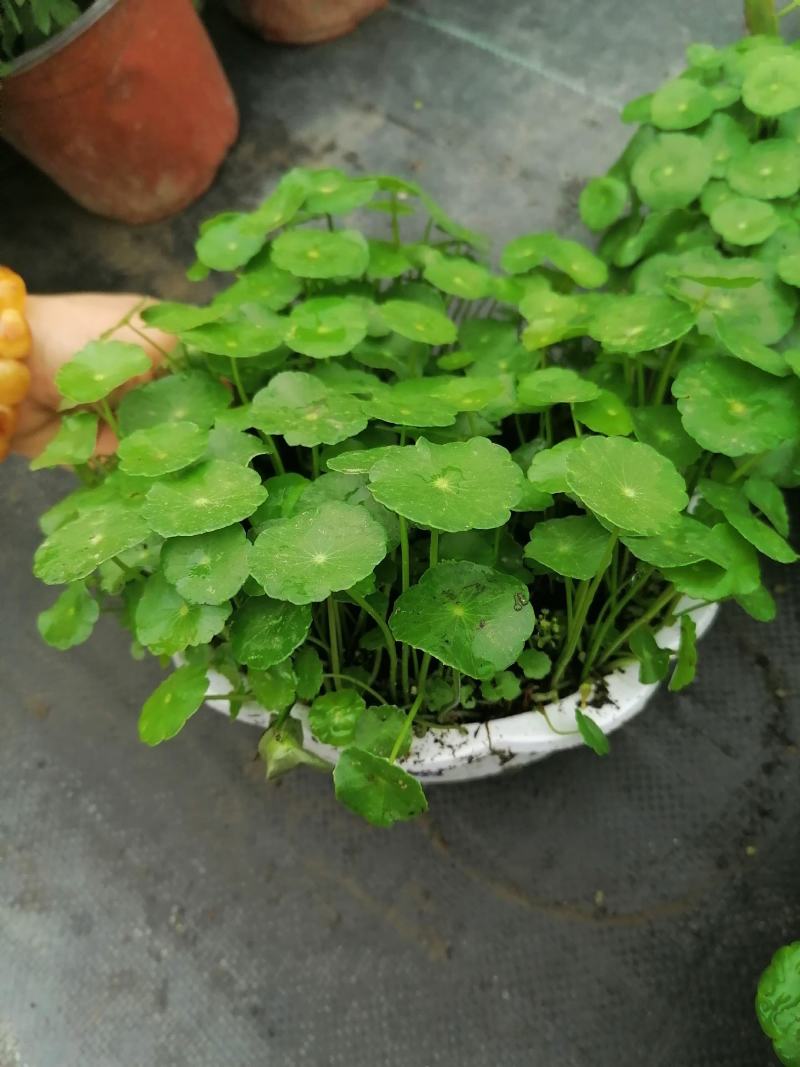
<point>386,480</point>
<point>778,1003</point>
<point>24,24</point>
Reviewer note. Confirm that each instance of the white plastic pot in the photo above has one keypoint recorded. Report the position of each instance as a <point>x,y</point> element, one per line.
<point>480,750</point>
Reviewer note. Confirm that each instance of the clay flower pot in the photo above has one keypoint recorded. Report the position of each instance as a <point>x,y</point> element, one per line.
<point>303,21</point>
<point>128,109</point>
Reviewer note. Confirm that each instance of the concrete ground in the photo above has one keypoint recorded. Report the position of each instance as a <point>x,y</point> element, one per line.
<point>166,908</point>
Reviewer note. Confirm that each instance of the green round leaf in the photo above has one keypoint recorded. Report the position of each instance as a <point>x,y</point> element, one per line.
<point>457,276</point>
<point>602,202</point>
<point>605,414</point>
<point>166,624</point>
<point>162,449</point>
<point>548,469</point>
<point>349,489</point>
<point>360,461</point>
<point>245,337</point>
<point>767,170</point>
<point>228,243</point>
<point>574,547</point>
<point>459,486</point>
<point>469,617</point>
<point>688,541</point>
<point>379,791</point>
<point>660,427</point>
<point>535,664</point>
<point>308,671</point>
<point>418,322</point>
<point>306,412</point>
<point>410,403</point>
<point>681,104</point>
<point>262,284</point>
<point>193,396</point>
<point>265,632</point>
<point>772,85</point>
<point>730,407</point>
<point>176,318</point>
<point>74,443</point>
<point>207,497</point>
<point>334,193</point>
<point>378,728</point>
<point>226,442</point>
<point>333,716</point>
<point>788,268</point>
<point>726,139</point>
<point>320,254</point>
<point>743,221</point>
<point>326,326</point>
<point>75,549</point>
<point>99,369</point>
<point>626,483</point>
<point>167,710</point>
<point>554,385</point>
<point>672,171</point>
<point>307,557</point>
<point>583,266</point>
<point>274,689</point>
<point>70,620</point>
<point>639,323</point>
<point>742,345</point>
<point>209,568</point>
<point>386,261</point>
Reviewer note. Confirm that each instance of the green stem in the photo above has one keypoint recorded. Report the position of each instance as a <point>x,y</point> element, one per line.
<point>315,460</point>
<point>108,416</point>
<point>165,355</point>
<point>355,681</point>
<point>745,468</point>
<point>655,608</point>
<point>124,321</point>
<point>434,554</point>
<point>613,612</point>
<point>405,570</point>
<point>412,711</point>
<point>584,602</point>
<point>667,368</point>
<point>274,454</point>
<point>237,381</point>
<point>388,638</point>
<point>333,635</point>
<point>575,424</point>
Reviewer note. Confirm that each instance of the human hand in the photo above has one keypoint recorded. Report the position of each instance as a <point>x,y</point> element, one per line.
<point>61,325</point>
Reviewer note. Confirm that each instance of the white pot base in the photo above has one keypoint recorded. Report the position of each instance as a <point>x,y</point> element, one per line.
<point>480,750</point>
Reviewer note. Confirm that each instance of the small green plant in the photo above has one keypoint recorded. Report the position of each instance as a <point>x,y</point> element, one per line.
<point>24,24</point>
<point>383,479</point>
<point>778,1004</point>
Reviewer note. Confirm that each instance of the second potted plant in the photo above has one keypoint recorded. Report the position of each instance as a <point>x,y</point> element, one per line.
<point>123,103</point>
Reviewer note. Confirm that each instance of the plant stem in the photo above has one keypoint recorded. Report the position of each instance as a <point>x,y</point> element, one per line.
<point>604,625</point>
<point>333,634</point>
<point>667,368</point>
<point>405,569</point>
<point>412,711</point>
<point>124,321</point>
<point>355,681</point>
<point>315,460</point>
<point>657,606</point>
<point>582,605</point>
<point>237,381</point>
<point>434,553</point>
<point>575,424</point>
<point>748,465</point>
<point>108,416</point>
<point>382,625</point>
<point>166,356</point>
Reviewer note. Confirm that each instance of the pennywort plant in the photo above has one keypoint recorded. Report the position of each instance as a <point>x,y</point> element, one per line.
<point>24,24</point>
<point>778,1003</point>
<point>382,479</point>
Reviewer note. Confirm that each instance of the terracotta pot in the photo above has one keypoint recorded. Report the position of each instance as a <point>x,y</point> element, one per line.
<point>303,21</point>
<point>128,109</point>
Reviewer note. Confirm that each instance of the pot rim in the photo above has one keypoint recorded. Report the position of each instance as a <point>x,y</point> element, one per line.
<point>36,56</point>
<point>481,749</point>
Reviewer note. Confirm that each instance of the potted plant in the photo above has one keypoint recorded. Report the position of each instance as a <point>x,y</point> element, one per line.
<point>778,1004</point>
<point>123,103</point>
<point>303,21</point>
<point>418,517</point>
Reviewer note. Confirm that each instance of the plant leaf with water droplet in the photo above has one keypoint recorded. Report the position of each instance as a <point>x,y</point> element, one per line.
<point>162,449</point>
<point>265,632</point>
<point>210,568</point>
<point>207,497</point>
